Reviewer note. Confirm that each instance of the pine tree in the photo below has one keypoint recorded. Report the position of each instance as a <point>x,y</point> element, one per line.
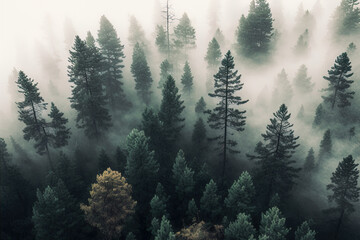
<point>210,206</point>
<point>120,159</point>
<point>255,31</point>
<point>61,133</point>
<point>213,54</point>
<point>224,117</point>
<point>302,83</point>
<point>325,146</point>
<point>87,95</point>
<point>344,189</point>
<point>112,60</point>
<point>200,106</point>
<point>192,213</point>
<point>319,115</point>
<point>304,232</point>
<point>309,164</point>
<point>240,196</point>
<point>199,141</point>
<point>273,225</point>
<point>347,17</point>
<point>184,34</point>
<point>274,157</point>
<point>219,36</point>
<point>157,207</point>
<point>240,229</point>
<point>30,113</point>
<point>187,79</point>
<point>141,73</point>
<point>136,34</point>
<point>110,203</point>
<point>166,69</point>
<point>161,41</point>
<point>152,127</point>
<point>338,89</point>
<point>104,161</point>
<point>302,44</point>
<point>283,91</point>
<point>90,40</point>
<point>165,231</point>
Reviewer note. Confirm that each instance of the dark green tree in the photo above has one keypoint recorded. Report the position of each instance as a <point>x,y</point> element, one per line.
<point>213,54</point>
<point>151,125</point>
<point>157,207</point>
<point>304,232</point>
<point>199,141</point>
<point>184,34</point>
<point>112,61</point>
<point>338,89</point>
<point>165,231</point>
<point>273,225</point>
<point>120,159</point>
<point>192,213</point>
<point>309,164</point>
<point>161,40</point>
<point>187,79</point>
<point>344,189</point>
<point>276,173</point>
<point>87,95</point>
<point>325,146</point>
<point>302,83</point>
<point>200,106</point>
<point>319,115</point>
<point>347,17</point>
<point>210,206</point>
<point>141,73</point>
<point>166,69</point>
<point>225,116</point>
<point>240,229</point>
<point>60,133</point>
<point>104,162</point>
<point>130,236</point>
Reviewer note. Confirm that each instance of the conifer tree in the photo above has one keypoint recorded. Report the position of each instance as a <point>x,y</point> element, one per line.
<point>120,159</point>
<point>141,73</point>
<point>187,79</point>
<point>283,91</point>
<point>192,213</point>
<point>110,203</point>
<point>61,133</point>
<point>213,54</point>
<point>273,225</point>
<point>103,161</point>
<point>166,69</point>
<point>199,140</point>
<point>351,49</point>
<point>90,40</point>
<point>276,172</point>
<point>347,17</point>
<point>344,189</point>
<point>225,116</point>
<point>319,115</point>
<point>136,34</point>
<point>302,83</point>
<point>130,236</point>
<point>200,106</point>
<point>184,34</point>
<point>161,41</point>
<point>165,231</point>
<point>304,232</point>
<point>112,60</point>
<point>152,127</point>
<point>240,196</point>
<point>240,229</point>
<point>301,113</point>
<point>219,36</point>
<point>87,95</point>
<point>339,92</point>
<point>210,206</point>
<point>325,146</point>
<point>302,44</point>
<point>157,207</point>
<point>309,164</point>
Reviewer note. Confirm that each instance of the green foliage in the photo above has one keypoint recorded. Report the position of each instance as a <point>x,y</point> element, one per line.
<point>183,177</point>
<point>200,106</point>
<point>136,34</point>
<point>283,91</point>
<point>273,225</point>
<point>165,231</point>
<point>302,45</point>
<point>90,40</point>
<point>192,213</point>
<point>199,141</point>
<point>302,83</point>
<point>319,115</point>
<point>166,69</point>
<point>152,127</point>
<point>187,79</point>
<point>338,90</point>
<point>141,73</point>
<point>213,54</point>
<point>309,164</point>
<point>210,207</point>
<point>120,160</point>
<point>161,39</point>
<point>130,236</point>
<point>184,34</point>
<point>104,161</point>
<point>60,133</point>
<point>240,229</point>
<point>157,207</point>
<point>325,146</point>
<point>303,232</point>
<point>347,17</point>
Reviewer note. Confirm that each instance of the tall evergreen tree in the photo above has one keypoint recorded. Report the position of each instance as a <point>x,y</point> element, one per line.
<point>161,41</point>
<point>325,146</point>
<point>104,161</point>
<point>165,231</point>
<point>210,206</point>
<point>184,34</point>
<point>141,73</point>
<point>302,83</point>
<point>90,40</point>
<point>112,60</point>
<point>344,189</point>
<point>339,93</point>
<point>304,232</point>
<point>309,164</point>
<point>273,225</point>
<point>136,34</point>
<point>319,115</point>
<point>213,54</point>
<point>347,17</point>
<point>87,95</point>
<point>302,44</point>
<point>199,141</point>
<point>224,116</point>
<point>283,91</point>
<point>192,213</point>
<point>240,229</point>
<point>276,172</point>
<point>166,69</point>
<point>187,79</point>
<point>200,106</point>
<point>152,127</point>
<point>61,133</point>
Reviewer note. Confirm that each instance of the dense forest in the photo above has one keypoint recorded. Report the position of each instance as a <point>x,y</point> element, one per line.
<point>248,132</point>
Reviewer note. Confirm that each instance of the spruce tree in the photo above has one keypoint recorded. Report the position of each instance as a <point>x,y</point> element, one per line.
<point>304,232</point>
<point>302,83</point>
<point>225,116</point>
<point>219,36</point>
<point>192,213</point>
<point>276,172</point>
<point>347,17</point>
<point>165,231</point>
<point>166,69</point>
<point>104,161</point>
<point>319,115</point>
<point>325,146</point>
<point>90,40</point>
<point>141,73</point>
<point>210,206</point>
<point>120,159</point>
<point>187,79</point>
<point>151,125</point>
<point>184,34</point>
<point>157,207</point>
<point>339,92</point>
<point>161,41</point>
<point>61,133</point>
<point>213,54</point>
<point>273,225</point>
<point>112,61</point>
<point>241,196</point>
<point>87,95</point>
<point>136,34</point>
<point>200,106</point>
<point>240,229</point>
<point>302,44</point>
<point>199,141</point>
<point>345,191</point>
<point>283,91</point>
<point>309,164</point>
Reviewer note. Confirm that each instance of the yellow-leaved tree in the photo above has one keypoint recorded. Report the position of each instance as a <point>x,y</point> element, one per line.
<point>110,203</point>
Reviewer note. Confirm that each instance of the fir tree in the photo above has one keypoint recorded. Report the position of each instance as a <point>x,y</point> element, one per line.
<point>344,189</point>
<point>87,95</point>
<point>184,34</point>
<point>166,69</point>
<point>120,159</point>
<point>90,40</point>
<point>338,89</point>
<point>302,83</point>
<point>347,17</point>
<point>219,36</point>
<point>200,106</point>
<point>161,41</point>
<point>304,232</point>
<point>224,116</point>
<point>199,140</point>
<point>61,133</point>
<point>309,164</point>
<point>319,115</point>
<point>213,54</point>
<point>325,146</point>
<point>240,229</point>
<point>103,161</point>
<point>273,225</point>
<point>112,60</point>
<point>152,127</point>
<point>187,79</point>
<point>192,213</point>
<point>283,91</point>
<point>141,73</point>
<point>165,231</point>
<point>210,206</point>
<point>240,196</point>
<point>157,207</point>
<point>302,44</point>
<point>276,171</point>
<point>136,34</point>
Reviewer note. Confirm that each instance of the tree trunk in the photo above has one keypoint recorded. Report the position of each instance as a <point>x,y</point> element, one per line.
<point>225,127</point>
<point>339,224</point>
